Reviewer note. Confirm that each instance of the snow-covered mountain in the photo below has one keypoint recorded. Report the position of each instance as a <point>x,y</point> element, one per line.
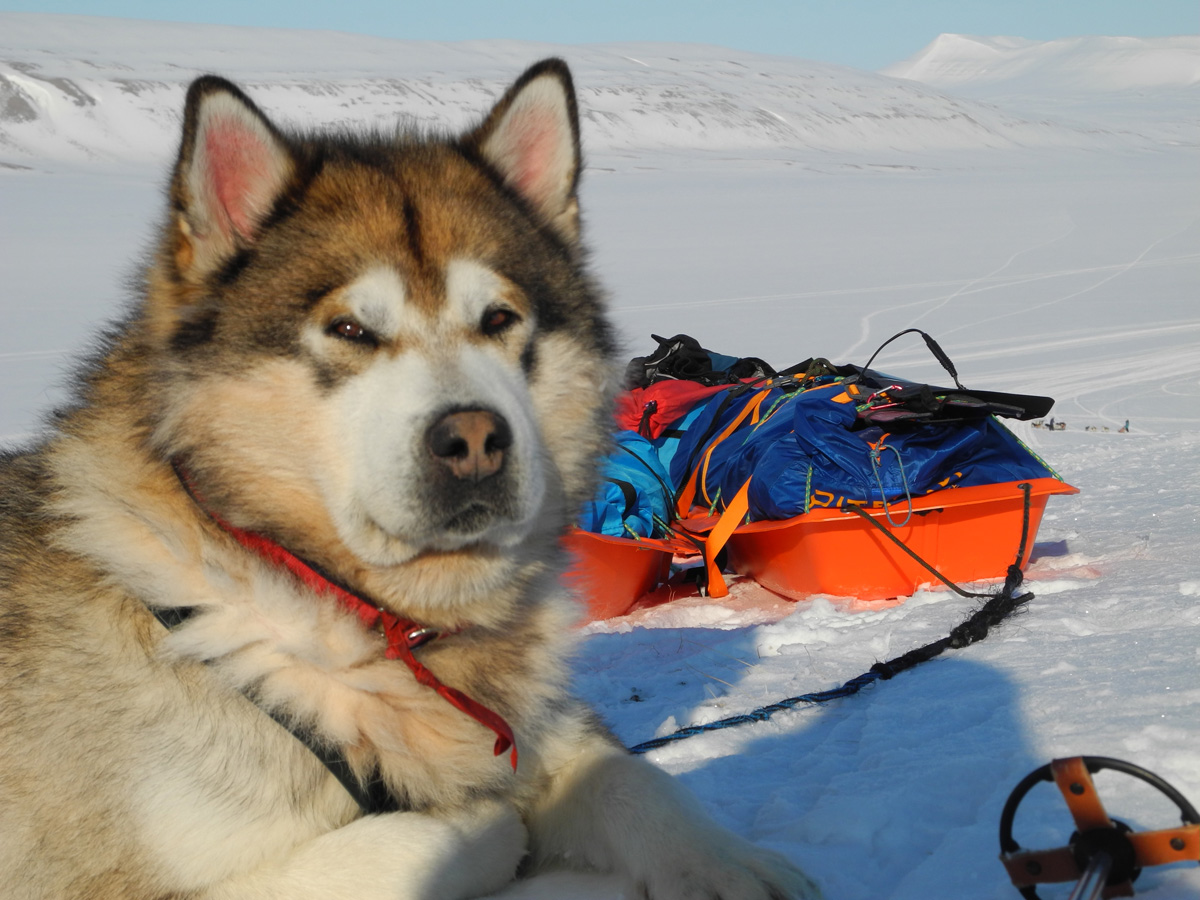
<point>78,89</point>
<point>1085,64</point>
<point>1140,85</point>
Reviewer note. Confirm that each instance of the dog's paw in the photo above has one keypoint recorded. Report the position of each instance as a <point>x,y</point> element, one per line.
<point>492,836</point>
<point>395,856</point>
<point>724,869</point>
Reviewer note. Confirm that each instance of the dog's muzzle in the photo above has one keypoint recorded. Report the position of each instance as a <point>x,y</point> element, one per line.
<point>470,443</point>
<point>471,483</point>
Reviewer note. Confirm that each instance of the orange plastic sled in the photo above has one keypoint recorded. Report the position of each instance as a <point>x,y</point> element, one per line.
<point>967,534</point>
<point>611,573</point>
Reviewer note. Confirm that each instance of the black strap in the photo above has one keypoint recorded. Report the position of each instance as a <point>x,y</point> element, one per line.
<point>628,493</point>
<point>372,798</point>
<point>647,411</point>
<point>813,368</point>
<point>899,543</point>
<point>1026,490</point>
<point>172,617</point>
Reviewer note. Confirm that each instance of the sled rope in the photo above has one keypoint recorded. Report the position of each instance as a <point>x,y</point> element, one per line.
<point>974,628</point>
<point>1025,489</point>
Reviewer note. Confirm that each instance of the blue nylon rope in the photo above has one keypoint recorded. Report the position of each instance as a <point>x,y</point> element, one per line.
<point>763,713</point>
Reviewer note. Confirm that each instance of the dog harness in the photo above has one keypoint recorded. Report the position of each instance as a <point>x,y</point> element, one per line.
<point>403,636</point>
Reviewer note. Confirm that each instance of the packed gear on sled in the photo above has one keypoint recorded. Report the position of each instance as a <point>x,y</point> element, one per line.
<point>803,448</point>
<point>770,467</point>
<point>634,498</point>
<point>682,358</point>
<point>653,409</point>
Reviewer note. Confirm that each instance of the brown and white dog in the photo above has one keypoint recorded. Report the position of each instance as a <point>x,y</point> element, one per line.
<point>360,397</point>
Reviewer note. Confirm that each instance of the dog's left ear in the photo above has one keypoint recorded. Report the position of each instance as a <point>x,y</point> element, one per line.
<point>531,138</point>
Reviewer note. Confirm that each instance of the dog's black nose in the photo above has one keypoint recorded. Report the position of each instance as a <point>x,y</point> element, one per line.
<point>470,442</point>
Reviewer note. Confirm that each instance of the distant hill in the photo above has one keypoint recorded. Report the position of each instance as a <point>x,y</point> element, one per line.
<point>96,90</point>
<point>1071,64</point>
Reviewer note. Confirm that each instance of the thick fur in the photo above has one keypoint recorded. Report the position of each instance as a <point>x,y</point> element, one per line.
<point>385,355</point>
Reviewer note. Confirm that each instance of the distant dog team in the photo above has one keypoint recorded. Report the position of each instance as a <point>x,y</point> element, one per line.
<point>280,601</point>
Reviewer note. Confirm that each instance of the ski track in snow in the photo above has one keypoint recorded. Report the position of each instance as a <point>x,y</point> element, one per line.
<point>961,286</point>
<point>820,208</point>
<point>1116,272</point>
<point>936,303</point>
<point>869,337</point>
<point>941,302</point>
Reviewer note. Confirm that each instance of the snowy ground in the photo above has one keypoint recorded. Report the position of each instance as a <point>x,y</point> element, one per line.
<point>1042,222</point>
<point>897,792</point>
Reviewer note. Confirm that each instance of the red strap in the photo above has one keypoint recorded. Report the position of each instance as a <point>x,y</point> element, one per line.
<point>456,698</point>
<point>403,635</point>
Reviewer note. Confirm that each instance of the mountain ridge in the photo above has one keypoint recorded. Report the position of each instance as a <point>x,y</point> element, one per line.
<point>92,90</point>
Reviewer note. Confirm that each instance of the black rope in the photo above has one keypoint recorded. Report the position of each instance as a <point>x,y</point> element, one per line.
<point>931,570</point>
<point>999,606</point>
<point>934,348</point>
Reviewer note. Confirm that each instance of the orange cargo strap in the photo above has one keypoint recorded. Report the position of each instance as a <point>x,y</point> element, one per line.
<point>717,538</point>
<point>688,495</point>
<point>1075,783</point>
<point>1152,848</point>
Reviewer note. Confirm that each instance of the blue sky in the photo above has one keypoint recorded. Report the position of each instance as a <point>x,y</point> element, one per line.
<point>868,34</point>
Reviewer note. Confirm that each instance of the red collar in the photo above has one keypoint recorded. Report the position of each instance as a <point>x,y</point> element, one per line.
<point>403,635</point>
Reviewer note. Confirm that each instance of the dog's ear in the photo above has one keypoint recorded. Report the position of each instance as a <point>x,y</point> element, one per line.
<point>233,166</point>
<point>531,139</point>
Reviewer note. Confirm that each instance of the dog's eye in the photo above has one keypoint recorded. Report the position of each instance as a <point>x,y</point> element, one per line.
<point>498,320</point>
<point>350,330</point>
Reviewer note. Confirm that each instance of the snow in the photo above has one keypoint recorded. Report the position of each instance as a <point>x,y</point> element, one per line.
<point>1033,205</point>
<point>897,792</point>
